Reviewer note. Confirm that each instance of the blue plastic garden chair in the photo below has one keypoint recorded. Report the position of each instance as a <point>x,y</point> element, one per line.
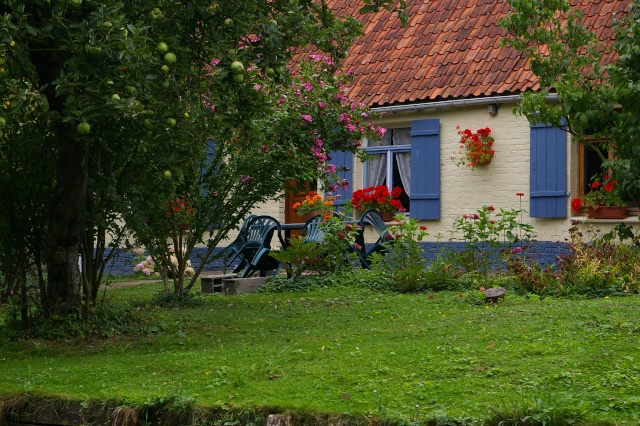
<point>374,219</point>
<point>232,251</point>
<point>256,249</point>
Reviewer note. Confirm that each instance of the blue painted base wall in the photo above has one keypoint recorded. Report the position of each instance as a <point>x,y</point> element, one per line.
<point>545,253</point>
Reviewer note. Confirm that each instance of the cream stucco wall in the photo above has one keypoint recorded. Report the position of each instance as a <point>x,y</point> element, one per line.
<point>464,190</point>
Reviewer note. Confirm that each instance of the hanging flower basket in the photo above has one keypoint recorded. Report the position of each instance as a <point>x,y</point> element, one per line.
<point>476,149</point>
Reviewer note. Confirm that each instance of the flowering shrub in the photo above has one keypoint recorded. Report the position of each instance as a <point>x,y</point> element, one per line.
<point>475,148</point>
<point>483,234</point>
<point>146,267</point>
<point>314,116</point>
<point>379,198</point>
<point>314,202</point>
<point>188,270</point>
<point>403,263</point>
<point>602,193</point>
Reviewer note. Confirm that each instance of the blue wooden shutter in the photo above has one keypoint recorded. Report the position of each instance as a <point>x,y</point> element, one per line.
<point>548,171</point>
<point>343,159</point>
<point>425,169</point>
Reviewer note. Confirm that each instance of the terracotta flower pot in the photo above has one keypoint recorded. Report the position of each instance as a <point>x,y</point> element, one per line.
<point>387,216</point>
<point>480,160</point>
<point>607,212</point>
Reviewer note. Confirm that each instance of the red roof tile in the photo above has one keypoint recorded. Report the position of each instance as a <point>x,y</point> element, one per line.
<point>449,49</point>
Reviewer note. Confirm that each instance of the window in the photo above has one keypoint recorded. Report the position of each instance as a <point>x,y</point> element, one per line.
<point>391,163</point>
<point>409,158</point>
<point>590,165</point>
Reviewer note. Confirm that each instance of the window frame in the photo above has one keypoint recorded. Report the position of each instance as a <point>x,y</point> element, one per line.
<point>389,150</point>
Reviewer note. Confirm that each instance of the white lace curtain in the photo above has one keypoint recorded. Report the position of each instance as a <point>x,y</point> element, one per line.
<point>377,166</point>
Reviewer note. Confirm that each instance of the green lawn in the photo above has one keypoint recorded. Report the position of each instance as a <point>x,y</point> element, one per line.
<point>356,353</point>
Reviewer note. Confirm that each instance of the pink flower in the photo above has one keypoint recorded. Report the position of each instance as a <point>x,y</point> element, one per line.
<point>256,86</point>
<point>358,246</point>
<point>146,271</point>
<point>307,118</point>
<point>351,127</point>
<point>307,86</point>
<point>321,104</point>
<point>491,208</point>
<point>264,148</point>
<point>245,179</point>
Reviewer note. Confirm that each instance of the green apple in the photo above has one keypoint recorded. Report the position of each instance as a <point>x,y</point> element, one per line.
<point>237,67</point>
<point>232,52</point>
<point>165,69</point>
<point>171,122</point>
<point>167,174</point>
<point>147,124</point>
<point>165,84</point>
<point>3,122</point>
<point>170,58</point>
<point>228,22</point>
<point>238,78</point>
<point>84,128</point>
<point>107,24</point>
<point>163,47</point>
<point>75,3</point>
<point>155,13</point>
<point>115,97</point>
<point>186,115</point>
<point>93,50</point>
<point>109,82</point>
<point>293,3</point>
<point>270,72</point>
<point>130,90</point>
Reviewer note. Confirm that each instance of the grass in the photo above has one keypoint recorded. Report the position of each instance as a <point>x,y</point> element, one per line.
<point>355,353</point>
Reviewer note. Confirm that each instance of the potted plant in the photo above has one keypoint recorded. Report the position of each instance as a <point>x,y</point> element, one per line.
<point>476,149</point>
<point>314,204</point>
<point>378,198</point>
<point>602,201</point>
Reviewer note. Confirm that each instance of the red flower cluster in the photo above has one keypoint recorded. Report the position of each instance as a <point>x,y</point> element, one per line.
<point>475,147</point>
<point>379,198</point>
<point>178,205</point>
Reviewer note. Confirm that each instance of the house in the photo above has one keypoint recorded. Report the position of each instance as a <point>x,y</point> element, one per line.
<point>447,71</point>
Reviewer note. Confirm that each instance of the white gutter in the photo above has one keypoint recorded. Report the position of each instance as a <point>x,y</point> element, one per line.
<point>456,103</point>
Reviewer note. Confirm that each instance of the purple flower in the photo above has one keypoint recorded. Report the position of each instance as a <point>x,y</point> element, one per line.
<point>245,179</point>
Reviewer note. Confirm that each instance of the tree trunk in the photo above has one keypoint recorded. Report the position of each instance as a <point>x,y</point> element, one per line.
<point>66,227</point>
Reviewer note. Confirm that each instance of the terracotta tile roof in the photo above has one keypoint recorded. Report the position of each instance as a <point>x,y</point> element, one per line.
<point>449,49</point>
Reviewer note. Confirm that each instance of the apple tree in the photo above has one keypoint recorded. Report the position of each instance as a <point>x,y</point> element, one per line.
<point>137,106</point>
